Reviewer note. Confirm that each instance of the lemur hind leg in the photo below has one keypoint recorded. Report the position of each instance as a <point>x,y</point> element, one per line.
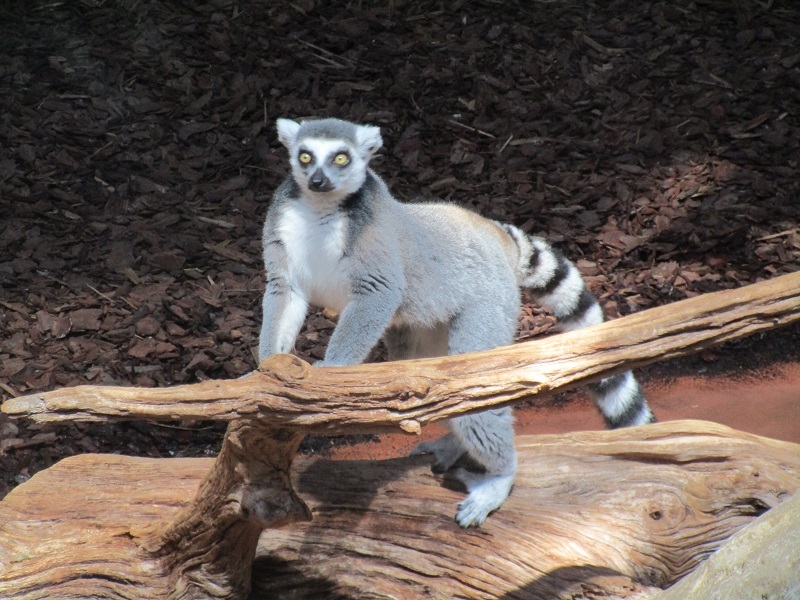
<point>487,437</point>
<point>446,452</point>
<point>404,342</point>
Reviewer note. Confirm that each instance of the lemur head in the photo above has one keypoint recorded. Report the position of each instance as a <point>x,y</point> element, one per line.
<point>329,157</point>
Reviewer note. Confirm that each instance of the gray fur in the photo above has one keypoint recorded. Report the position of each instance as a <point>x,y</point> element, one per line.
<point>431,279</point>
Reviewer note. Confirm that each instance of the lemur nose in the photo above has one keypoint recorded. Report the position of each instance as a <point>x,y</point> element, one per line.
<point>317,180</point>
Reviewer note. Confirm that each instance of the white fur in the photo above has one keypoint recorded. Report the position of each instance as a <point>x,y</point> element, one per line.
<point>314,245</point>
<point>544,269</point>
<point>562,300</point>
<point>616,403</point>
<point>486,494</point>
<point>290,323</point>
<point>287,130</point>
<point>369,139</point>
<point>643,418</point>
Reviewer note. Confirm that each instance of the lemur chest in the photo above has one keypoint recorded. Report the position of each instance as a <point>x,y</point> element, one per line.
<point>315,245</point>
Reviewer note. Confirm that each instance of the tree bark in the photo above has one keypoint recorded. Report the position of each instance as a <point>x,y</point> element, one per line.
<point>605,514</point>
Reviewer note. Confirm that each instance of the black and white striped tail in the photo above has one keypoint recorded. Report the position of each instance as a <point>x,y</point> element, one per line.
<point>558,286</point>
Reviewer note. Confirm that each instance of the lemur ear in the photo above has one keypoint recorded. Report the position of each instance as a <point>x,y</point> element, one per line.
<point>287,131</point>
<point>369,139</point>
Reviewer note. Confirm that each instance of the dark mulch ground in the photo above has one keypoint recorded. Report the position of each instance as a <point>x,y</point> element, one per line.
<point>656,142</point>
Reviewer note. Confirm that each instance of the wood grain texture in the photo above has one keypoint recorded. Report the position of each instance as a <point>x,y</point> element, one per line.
<point>612,514</point>
<point>408,394</point>
<point>609,513</point>
<point>116,527</point>
<point>760,561</point>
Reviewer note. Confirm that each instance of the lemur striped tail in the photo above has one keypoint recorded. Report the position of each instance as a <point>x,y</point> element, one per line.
<point>558,286</point>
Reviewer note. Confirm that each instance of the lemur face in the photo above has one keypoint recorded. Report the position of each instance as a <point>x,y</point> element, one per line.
<point>324,166</point>
<point>329,158</point>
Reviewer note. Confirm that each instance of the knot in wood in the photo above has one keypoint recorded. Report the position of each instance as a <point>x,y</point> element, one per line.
<point>666,511</point>
<point>284,367</point>
<point>412,387</point>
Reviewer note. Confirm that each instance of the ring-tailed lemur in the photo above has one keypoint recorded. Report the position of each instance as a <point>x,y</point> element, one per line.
<point>431,279</point>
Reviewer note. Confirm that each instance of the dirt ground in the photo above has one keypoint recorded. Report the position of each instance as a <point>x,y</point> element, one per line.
<point>656,143</point>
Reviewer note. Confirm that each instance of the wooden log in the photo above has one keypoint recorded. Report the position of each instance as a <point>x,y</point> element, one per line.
<point>595,514</point>
<point>607,514</point>
<point>409,394</point>
<point>200,552</point>
<point>760,561</point>
<point>211,543</point>
<point>108,527</point>
<point>71,531</point>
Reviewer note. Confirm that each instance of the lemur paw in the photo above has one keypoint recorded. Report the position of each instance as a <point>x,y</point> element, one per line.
<point>445,453</point>
<point>471,514</point>
<point>484,497</point>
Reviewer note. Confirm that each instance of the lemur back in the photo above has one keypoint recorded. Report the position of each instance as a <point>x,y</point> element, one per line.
<point>430,279</point>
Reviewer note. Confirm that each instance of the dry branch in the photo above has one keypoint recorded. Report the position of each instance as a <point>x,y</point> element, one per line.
<point>408,394</point>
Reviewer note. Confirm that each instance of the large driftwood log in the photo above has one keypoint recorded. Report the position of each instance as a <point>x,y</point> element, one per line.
<point>593,514</point>
<point>202,551</point>
<point>608,513</point>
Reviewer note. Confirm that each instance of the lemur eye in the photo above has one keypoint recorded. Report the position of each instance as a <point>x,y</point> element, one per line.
<point>341,159</point>
<point>305,158</point>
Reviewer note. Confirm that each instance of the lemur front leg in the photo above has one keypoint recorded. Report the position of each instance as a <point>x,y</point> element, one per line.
<point>446,452</point>
<point>374,299</point>
<point>284,315</point>
<point>284,306</point>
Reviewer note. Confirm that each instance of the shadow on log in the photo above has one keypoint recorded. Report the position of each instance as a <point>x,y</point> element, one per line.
<point>619,511</point>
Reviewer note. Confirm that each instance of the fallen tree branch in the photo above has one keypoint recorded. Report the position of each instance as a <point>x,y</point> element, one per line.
<point>408,394</point>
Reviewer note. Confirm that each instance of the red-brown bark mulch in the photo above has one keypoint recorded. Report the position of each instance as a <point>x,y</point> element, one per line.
<point>655,142</point>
